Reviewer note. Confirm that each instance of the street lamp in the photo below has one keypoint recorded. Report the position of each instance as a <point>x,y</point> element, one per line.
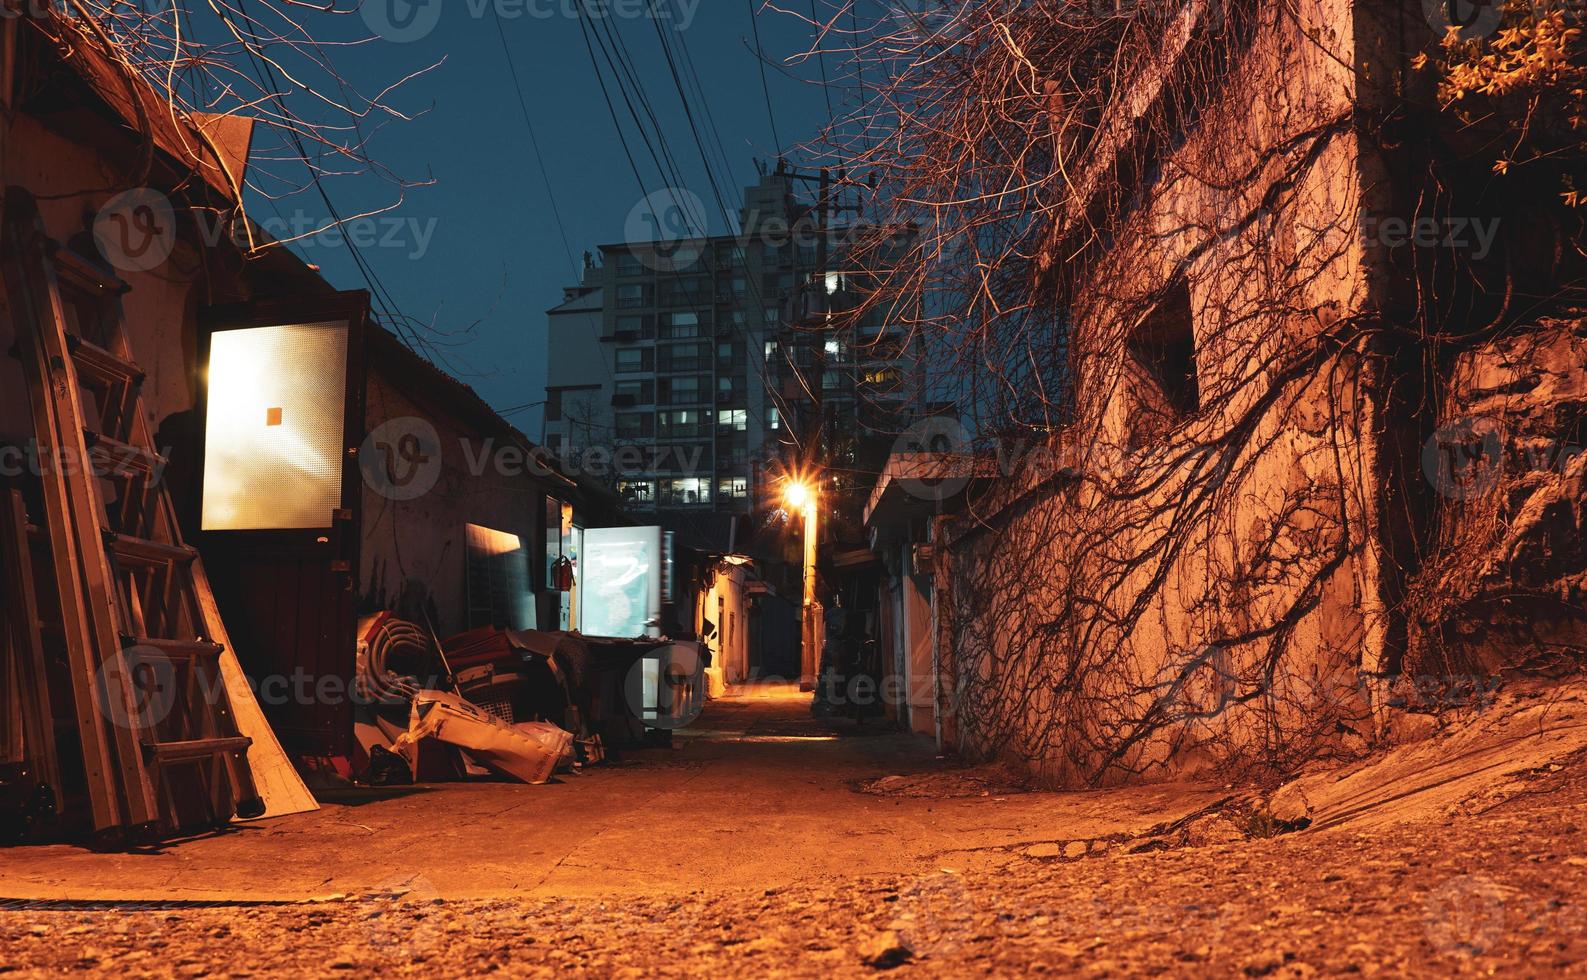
<point>798,495</point>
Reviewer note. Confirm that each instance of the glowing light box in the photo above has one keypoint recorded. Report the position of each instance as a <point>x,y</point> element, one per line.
<point>621,583</point>
<point>273,452</point>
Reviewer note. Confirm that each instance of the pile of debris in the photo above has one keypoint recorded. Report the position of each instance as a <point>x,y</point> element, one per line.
<point>473,707</point>
<point>521,704</point>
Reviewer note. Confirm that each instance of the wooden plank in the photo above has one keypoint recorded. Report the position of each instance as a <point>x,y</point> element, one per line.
<point>8,61</point>
<point>13,737</point>
<point>275,778</point>
<point>34,720</point>
<point>195,749</point>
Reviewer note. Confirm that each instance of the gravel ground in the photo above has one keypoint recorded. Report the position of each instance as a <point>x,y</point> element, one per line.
<point>1501,887</point>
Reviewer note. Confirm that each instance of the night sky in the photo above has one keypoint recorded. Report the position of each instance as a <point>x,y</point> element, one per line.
<point>480,250</point>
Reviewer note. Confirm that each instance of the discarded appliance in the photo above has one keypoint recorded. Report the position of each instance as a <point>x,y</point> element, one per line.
<point>618,688</point>
<point>492,670</point>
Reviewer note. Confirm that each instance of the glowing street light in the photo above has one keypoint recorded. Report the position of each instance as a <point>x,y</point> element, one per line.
<point>797,495</point>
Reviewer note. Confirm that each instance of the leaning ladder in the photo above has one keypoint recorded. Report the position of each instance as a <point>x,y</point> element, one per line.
<point>161,747</point>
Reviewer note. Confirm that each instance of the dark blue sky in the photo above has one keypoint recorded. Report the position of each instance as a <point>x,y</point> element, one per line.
<point>482,244</point>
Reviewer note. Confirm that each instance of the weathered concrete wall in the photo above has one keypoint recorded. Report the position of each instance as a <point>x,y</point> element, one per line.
<point>1505,585</point>
<point>1150,593</point>
<point>72,183</point>
<point>725,604</point>
<point>413,552</point>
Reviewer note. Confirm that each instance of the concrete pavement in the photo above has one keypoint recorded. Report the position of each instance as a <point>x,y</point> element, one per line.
<point>755,794</point>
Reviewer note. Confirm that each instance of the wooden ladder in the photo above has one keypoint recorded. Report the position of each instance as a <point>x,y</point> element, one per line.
<point>161,748</point>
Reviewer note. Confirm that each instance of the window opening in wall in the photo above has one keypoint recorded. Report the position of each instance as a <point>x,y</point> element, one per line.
<point>1163,345</point>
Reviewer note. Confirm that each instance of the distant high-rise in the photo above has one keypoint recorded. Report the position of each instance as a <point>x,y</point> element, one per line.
<point>684,370</point>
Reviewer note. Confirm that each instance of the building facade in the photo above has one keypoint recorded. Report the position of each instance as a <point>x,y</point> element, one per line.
<point>1282,515</point>
<point>687,372</point>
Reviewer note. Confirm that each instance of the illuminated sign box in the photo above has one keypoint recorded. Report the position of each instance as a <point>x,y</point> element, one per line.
<point>622,570</point>
<point>273,452</point>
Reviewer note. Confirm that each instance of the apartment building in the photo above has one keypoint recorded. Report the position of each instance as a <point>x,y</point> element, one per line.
<point>682,371</point>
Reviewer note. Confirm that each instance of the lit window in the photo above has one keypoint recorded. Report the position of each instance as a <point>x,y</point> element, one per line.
<point>691,490</point>
<point>682,424</point>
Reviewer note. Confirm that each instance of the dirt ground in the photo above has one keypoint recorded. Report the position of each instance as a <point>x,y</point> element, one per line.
<point>1406,870</point>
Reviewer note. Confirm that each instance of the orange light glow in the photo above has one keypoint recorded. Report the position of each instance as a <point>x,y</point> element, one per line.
<point>797,495</point>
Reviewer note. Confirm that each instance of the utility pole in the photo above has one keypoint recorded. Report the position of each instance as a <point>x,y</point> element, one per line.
<point>812,619</point>
<point>812,626</point>
<point>806,492</point>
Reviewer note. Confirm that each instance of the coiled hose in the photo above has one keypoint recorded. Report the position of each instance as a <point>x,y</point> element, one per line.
<point>393,655</point>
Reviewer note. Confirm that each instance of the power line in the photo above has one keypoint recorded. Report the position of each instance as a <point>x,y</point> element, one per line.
<point>614,51</point>
<point>534,142</point>
<point>263,68</point>
<point>765,86</point>
<point>821,59</point>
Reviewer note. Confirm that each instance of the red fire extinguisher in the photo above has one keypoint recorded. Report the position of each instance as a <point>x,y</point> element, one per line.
<point>562,574</point>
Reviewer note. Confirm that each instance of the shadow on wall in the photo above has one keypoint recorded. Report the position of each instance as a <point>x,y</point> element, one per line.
<point>1502,588</point>
<point>409,599</point>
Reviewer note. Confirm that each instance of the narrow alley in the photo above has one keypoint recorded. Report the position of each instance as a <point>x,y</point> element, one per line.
<point>753,792</point>
<point>648,488</point>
